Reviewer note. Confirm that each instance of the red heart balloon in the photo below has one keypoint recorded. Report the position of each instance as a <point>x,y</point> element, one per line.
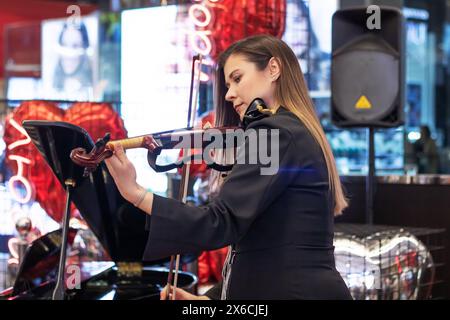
<point>95,118</point>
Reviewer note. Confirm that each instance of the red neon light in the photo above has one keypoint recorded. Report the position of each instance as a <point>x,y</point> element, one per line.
<point>19,177</point>
<point>22,142</point>
<point>200,40</point>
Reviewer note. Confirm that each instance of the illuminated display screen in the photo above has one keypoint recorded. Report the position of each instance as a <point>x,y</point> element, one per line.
<point>155,77</point>
<point>70,59</point>
<point>308,33</point>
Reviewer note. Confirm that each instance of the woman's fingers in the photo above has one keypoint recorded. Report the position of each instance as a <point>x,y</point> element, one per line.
<point>112,163</point>
<point>180,294</point>
<point>164,292</point>
<point>120,153</point>
<point>116,162</point>
<point>124,174</point>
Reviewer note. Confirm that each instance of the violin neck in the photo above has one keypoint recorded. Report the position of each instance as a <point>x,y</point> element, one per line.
<point>129,143</point>
<point>165,140</point>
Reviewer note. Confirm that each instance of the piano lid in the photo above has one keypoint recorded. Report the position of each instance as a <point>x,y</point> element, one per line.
<point>118,225</point>
<point>40,260</point>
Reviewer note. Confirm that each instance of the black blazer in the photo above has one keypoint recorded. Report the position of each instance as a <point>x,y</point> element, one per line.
<point>280,226</point>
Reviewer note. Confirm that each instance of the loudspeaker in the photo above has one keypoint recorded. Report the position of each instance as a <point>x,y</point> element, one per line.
<point>367,67</point>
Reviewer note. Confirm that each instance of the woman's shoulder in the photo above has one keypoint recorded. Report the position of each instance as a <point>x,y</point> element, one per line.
<point>283,120</point>
<point>294,139</point>
<point>290,128</point>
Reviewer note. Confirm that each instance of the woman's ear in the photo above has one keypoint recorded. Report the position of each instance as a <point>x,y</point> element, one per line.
<point>274,68</point>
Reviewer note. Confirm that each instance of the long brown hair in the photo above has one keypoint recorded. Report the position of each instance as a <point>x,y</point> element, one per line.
<point>291,92</point>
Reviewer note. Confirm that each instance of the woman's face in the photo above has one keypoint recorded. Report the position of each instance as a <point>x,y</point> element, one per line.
<point>73,42</point>
<point>245,83</point>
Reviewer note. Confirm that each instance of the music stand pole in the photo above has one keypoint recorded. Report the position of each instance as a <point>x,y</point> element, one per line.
<point>60,288</point>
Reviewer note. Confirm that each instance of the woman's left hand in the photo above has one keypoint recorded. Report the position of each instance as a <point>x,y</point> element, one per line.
<point>124,174</point>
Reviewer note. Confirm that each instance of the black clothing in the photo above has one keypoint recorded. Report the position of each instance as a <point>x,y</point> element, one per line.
<point>281,225</point>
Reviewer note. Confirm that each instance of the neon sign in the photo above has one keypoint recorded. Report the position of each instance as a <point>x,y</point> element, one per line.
<point>21,161</point>
<point>201,34</point>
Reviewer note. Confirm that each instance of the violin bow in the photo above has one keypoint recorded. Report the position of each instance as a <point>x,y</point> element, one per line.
<point>193,97</point>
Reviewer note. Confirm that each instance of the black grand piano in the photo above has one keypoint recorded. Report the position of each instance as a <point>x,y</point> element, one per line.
<point>118,225</point>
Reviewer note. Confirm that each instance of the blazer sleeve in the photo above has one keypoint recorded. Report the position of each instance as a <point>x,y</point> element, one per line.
<point>176,228</point>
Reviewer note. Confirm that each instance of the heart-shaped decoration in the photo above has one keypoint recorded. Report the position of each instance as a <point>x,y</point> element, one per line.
<point>26,161</point>
<point>388,265</point>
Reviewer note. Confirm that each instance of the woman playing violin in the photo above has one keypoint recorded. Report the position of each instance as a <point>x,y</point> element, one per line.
<point>279,225</point>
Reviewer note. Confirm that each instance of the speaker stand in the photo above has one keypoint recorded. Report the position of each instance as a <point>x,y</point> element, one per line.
<point>370,179</point>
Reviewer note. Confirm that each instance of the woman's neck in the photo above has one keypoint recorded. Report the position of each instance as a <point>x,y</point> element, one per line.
<point>274,106</point>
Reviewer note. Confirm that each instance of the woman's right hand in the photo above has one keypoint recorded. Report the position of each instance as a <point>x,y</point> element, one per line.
<point>124,174</point>
<point>180,294</point>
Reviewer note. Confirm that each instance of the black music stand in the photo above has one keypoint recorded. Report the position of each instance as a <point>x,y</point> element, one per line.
<point>55,141</point>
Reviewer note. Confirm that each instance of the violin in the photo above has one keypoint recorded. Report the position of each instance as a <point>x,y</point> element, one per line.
<point>156,142</point>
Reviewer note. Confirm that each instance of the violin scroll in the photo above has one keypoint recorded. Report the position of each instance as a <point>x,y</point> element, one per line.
<point>90,160</point>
